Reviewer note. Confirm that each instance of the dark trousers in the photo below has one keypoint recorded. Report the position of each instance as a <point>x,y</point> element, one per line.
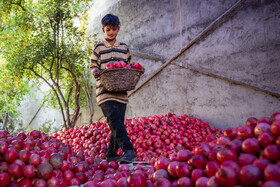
<point>114,113</point>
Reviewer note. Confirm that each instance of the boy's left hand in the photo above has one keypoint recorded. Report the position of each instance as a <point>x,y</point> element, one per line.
<point>95,72</point>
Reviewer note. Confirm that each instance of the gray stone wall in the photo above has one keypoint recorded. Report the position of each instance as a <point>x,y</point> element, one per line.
<point>243,48</point>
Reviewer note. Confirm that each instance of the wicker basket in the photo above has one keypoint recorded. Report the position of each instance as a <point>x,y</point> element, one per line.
<point>120,79</point>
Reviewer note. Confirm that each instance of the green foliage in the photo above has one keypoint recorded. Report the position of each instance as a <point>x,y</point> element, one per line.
<point>40,41</point>
<point>12,90</point>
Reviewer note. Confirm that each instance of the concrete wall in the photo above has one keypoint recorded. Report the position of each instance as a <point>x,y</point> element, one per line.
<point>244,47</point>
<point>34,113</point>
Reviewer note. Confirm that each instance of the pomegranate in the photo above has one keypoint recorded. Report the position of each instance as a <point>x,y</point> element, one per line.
<point>110,66</point>
<point>184,155</point>
<point>19,162</point>
<point>201,182</point>
<point>183,170</point>
<point>124,167</point>
<point>35,134</point>
<point>4,166</point>
<point>137,179</point>
<point>244,132</point>
<point>15,170</point>
<point>184,182</point>
<point>40,183</point>
<point>230,133</point>
<point>24,155</point>
<point>261,163</point>
<point>226,176</point>
<point>272,152</point>
<point>245,159</point>
<point>233,165</point>
<point>34,159</point>
<point>252,122</point>
<point>82,168</point>
<point>196,174</point>
<point>202,149</point>
<point>272,172</point>
<point>114,165</point>
<point>53,181</point>
<point>211,168</point>
<point>3,147</point>
<point>266,139</point>
<point>104,165</point>
<point>29,171</point>
<point>212,182</point>
<point>10,155</point>
<point>81,177</point>
<point>251,145</point>
<point>275,116</point>
<point>173,157</point>
<point>270,184</point>
<point>108,182</point>
<point>56,160</point>
<point>198,161</point>
<point>261,128</point>
<point>44,170</point>
<point>235,145</point>
<point>223,140</point>
<point>225,154</point>
<point>277,141</point>
<point>4,178</point>
<point>250,175</point>
<point>162,163</point>
<point>14,184</point>
<point>25,182</point>
<point>265,119</point>
<point>162,182</point>
<point>121,182</point>
<point>65,166</point>
<point>74,182</point>
<point>275,127</point>
<point>172,168</point>
<point>161,173</point>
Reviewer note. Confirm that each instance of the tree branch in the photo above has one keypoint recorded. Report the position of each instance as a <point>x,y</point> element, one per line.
<point>86,89</point>
<point>19,4</point>
<point>69,94</point>
<point>77,95</point>
<point>55,91</point>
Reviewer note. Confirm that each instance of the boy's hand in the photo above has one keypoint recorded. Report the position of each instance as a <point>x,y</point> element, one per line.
<point>95,72</point>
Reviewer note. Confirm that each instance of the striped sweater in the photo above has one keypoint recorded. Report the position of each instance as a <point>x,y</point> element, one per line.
<point>103,54</point>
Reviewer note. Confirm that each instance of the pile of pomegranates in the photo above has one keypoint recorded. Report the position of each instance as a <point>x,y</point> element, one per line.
<point>181,150</point>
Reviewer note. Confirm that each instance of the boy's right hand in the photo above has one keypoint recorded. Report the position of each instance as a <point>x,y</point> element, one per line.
<point>95,72</point>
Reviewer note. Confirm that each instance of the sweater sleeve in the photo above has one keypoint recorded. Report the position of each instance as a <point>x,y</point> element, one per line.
<point>95,58</point>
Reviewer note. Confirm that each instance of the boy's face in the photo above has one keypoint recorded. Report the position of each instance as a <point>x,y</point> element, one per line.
<point>111,32</point>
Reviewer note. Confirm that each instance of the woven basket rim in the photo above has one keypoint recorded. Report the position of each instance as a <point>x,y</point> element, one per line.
<point>122,69</point>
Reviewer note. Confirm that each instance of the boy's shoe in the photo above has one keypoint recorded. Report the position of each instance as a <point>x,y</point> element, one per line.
<point>128,157</point>
<point>113,158</point>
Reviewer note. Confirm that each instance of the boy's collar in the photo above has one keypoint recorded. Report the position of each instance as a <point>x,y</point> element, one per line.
<point>107,44</point>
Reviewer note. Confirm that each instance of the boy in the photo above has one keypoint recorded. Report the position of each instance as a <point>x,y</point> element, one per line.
<point>113,104</point>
